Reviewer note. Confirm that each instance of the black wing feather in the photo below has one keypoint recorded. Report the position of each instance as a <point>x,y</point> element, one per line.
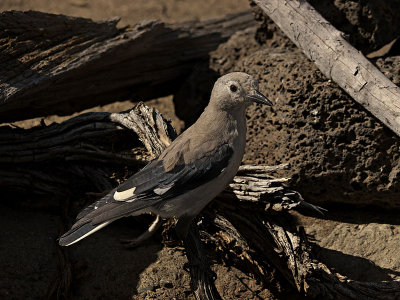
<point>181,178</point>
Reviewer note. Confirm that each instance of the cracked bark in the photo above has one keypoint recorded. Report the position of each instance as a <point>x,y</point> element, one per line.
<point>55,64</point>
<point>249,224</point>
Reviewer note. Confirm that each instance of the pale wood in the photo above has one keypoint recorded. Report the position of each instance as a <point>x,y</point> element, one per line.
<point>336,58</point>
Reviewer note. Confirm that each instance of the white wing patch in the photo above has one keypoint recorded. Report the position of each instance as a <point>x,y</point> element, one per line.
<point>121,196</point>
<point>160,191</point>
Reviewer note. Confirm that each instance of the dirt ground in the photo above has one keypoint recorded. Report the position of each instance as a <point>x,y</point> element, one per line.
<point>131,12</point>
<point>102,267</point>
<point>342,158</point>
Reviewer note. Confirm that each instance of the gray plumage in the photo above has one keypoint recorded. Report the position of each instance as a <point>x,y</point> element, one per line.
<point>194,169</point>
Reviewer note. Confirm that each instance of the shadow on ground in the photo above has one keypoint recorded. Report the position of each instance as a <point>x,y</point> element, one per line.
<point>101,265</point>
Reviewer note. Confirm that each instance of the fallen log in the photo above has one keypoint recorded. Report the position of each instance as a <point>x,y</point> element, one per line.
<point>55,64</point>
<point>240,239</point>
<point>45,159</point>
<point>336,58</point>
<point>249,225</point>
<point>252,227</point>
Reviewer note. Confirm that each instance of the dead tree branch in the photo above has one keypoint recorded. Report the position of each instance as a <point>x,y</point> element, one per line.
<point>336,58</point>
<point>249,224</point>
<point>54,64</point>
<point>44,160</point>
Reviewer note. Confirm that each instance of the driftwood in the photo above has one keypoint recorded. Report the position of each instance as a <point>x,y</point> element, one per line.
<point>336,58</point>
<point>44,160</point>
<point>248,225</point>
<point>54,64</point>
<point>253,228</point>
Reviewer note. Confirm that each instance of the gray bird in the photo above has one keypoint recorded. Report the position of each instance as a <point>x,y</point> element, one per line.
<point>192,171</point>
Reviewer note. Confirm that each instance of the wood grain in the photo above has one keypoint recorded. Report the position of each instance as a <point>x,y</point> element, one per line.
<point>55,64</point>
<point>336,58</point>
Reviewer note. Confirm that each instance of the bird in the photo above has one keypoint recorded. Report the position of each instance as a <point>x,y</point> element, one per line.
<point>189,173</point>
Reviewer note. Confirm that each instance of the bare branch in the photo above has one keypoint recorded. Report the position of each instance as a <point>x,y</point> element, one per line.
<point>336,58</point>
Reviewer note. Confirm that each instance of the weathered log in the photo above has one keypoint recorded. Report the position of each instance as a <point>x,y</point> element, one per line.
<point>241,240</point>
<point>336,58</point>
<point>54,64</point>
<point>44,160</point>
<point>257,232</point>
<point>249,223</point>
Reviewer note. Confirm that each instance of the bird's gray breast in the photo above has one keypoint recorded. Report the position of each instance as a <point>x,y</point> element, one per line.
<point>193,201</point>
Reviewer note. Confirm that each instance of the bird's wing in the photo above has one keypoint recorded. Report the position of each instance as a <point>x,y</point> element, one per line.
<point>149,186</point>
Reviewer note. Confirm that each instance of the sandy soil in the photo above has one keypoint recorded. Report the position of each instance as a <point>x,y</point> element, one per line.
<point>358,242</point>
<point>101,267</point>
<point>341,157</point>
<point>131,11</point>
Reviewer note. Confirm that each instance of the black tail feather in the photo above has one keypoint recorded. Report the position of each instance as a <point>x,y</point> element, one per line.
<point>76,234</point>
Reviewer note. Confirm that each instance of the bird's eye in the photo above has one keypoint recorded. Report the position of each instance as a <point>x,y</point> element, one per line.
<point>233,88</point>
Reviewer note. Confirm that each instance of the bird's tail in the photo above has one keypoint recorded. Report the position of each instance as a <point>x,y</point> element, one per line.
<point>75,234</point>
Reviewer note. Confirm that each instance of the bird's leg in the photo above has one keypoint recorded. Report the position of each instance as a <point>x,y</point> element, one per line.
<point>182,226</point>
<point>131,243</point>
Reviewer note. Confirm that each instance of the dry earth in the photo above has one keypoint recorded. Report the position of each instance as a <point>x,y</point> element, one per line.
<point>102,267</point>
<point>341,157</point>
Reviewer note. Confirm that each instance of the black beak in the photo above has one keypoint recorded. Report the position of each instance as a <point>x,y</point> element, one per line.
<point>259,98</point>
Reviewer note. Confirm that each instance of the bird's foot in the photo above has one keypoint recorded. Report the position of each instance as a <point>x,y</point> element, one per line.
<point>132,243</point>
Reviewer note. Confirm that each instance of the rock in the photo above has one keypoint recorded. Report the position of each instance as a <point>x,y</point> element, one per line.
<point>369,25</point>
<point>146,288</point>
<point>338,151</point>
<point>165,284</point>
<point>362,245</point>
<point>175,276</point>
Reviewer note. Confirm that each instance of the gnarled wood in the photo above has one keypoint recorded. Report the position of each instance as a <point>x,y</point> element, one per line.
<point>54,64</point>
<point>47,159</point>
<point>248,224</point>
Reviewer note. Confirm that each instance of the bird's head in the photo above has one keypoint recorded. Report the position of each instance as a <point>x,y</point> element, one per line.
<point>237,90</point>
